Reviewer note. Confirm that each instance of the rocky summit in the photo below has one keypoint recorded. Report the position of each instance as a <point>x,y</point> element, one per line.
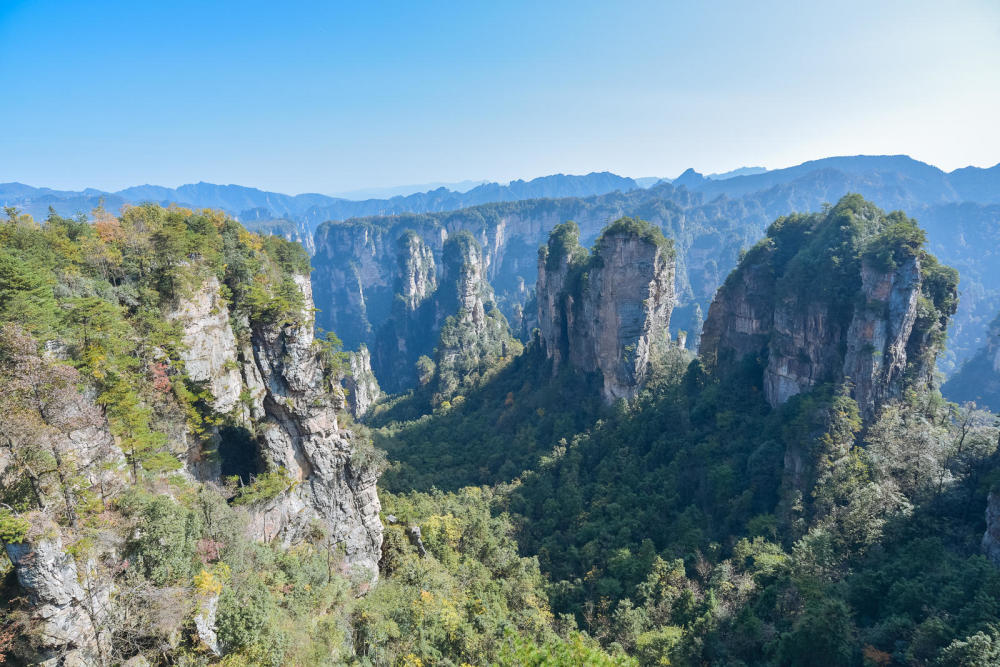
<point>606,312</point>
<point>844,296</point>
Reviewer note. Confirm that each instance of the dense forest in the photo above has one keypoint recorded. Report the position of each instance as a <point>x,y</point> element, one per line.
<point>674,530</point>
<point>798,494</point>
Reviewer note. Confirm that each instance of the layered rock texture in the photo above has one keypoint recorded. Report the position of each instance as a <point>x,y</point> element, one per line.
<point>292,403</point>
<point>357,260</point>
<point>410,329</point>
<point>845,296</point>
<point>69,603</point>
<point>607,312</point>
<point>474,335</point>
<point>392,288</point>
<point>46,419</point>
<point>360,383</point>
<point>155,427</point>
<point>209,351</point>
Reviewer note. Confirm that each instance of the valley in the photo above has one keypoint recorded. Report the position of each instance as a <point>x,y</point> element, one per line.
<point>575,483</point>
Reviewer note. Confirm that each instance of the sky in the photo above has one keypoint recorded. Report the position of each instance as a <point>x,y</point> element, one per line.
<point>333,96</point>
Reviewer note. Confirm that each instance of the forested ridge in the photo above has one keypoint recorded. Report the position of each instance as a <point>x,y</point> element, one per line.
<point>672,529</point>
<point>524,520</point>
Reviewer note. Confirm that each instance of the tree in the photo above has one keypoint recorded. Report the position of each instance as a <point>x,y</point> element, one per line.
<point>52,435</point>
<point>425,370</point>
<point>907,447</point>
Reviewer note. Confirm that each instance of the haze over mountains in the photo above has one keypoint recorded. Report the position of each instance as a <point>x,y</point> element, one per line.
<point>710,220</point>
<point>912,180</point>
<point>254,204</point>
<point>712,217</point>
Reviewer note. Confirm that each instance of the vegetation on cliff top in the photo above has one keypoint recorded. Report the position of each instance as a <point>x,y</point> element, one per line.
<point>670,528</point>
<point>83,312</point>
<point>666,530</point>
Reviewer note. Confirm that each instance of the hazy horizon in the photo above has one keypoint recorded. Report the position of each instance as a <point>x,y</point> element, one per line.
<point>388,191</point>
<point>334,99</point>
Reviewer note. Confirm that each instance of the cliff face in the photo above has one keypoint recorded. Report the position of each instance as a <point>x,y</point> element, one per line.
<point>360,383</point>
<point>606,313</point>
<point>301,434</point>
<point>294,408</point>
<point>392,289</point>
<point>356,259</point>
<point>365,267</point>
<point>417,277</point>
<point>69,603</point>
<point>46,418</point>
<point>275,384</point>
<point>411,329</point>
<point>353,280</point>
<point>474,335</point>
<point>849,296</point>
<point>138,412</point>
<point>209,351</point>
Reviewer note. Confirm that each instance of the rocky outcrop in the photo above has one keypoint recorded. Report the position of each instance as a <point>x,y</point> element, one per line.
<point>464,290</point>
<point>740,325</point>
<point>417,277</point>
<point>357,277</point>
<point>412,327</point>
<point>991,538</point>
<point>279,384</point>
<point>206,609</point>
<point>364,267</point>
<point>880,330</point>
<point>474,335</point>
<point>392,288</point>
<point>333,483</point>
<point>59,442</point>
<point>360,383</point>
<point>209,346</point>
<point>356,260</point>
<point>806,315</point>
<point>69,603</point>
<point>606,313</point>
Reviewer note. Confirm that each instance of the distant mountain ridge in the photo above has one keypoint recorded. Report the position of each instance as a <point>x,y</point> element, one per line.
<point>309,208</point>
<point>710,222</point>
<point>913,182</point>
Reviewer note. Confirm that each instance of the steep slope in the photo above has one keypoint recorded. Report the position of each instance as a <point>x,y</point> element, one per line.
<point>169,419</point>
<point>474,335</point>
<point>710,227</point>
<point>701,523</point>
<point>332,481</point>
<point>606,313</point>
<point>847,295</point>
<point>411,328</point>
<point>47,419</point>
<point>360,383</point>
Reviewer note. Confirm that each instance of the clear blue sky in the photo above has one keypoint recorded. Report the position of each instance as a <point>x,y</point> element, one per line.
<point>326,97</point>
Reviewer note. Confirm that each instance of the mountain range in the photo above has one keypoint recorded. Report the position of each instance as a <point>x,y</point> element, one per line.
<point>254,204</point>
<point>719,214</point>
<point>913,181</point>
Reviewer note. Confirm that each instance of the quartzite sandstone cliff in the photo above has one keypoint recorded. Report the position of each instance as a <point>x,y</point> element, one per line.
<point>290,402</point>
<point>846,296</point>
<point>606,313</point>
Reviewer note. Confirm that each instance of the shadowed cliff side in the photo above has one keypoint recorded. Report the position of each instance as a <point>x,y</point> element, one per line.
<point>847,295</point>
